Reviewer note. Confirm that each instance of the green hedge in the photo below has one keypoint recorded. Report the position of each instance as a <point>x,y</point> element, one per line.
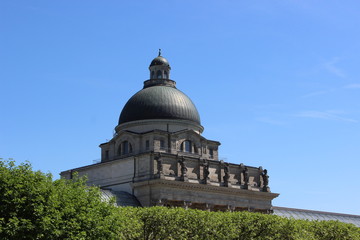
<point>178,223</point>
<point>33,206</point>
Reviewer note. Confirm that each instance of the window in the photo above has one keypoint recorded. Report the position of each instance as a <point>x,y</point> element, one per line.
<point>147,145</point>
<point>126,147</point>
<point>186,146</point>
<point>211,153</point>
<point>166,75</point>
<point>162,144</point>
<point>152,74</point>
<point>119,150</point>
<point>158,74</point>
<point>107,155</point>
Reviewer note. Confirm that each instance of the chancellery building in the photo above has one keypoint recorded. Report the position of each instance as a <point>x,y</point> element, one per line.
<point>159,157</point>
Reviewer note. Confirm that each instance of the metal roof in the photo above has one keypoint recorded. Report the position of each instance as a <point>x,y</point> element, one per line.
<point>159,102</point>
<point>316,215</point>
<point>122,198</point>
<point>159,61</point>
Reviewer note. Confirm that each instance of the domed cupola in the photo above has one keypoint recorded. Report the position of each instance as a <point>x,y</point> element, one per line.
<point>159,68</point>
<point>160,99</point>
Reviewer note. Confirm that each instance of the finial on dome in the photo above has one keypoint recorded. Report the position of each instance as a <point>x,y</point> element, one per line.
<point>159,52</point>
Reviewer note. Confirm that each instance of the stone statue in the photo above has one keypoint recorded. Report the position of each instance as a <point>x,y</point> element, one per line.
<point>159,165</point>
<point>206,171</point>
<point>240,177</point>
<point>246,176</point>
<point>183,169</point>
<point>227,174</point>
<point>265,178</point>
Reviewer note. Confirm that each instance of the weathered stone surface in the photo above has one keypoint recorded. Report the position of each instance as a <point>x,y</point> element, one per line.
<point>158,155</point>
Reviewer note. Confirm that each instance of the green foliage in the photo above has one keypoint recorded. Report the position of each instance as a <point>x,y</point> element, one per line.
<point>178,223</point>
<point>33,206</point>
<point>333,230</point>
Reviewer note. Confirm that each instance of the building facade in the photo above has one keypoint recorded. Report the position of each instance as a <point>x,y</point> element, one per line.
<point>159,157</point>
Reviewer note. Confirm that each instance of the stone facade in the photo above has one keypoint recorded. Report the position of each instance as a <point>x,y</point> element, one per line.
<point>159,178</point>
<point>159,155</point>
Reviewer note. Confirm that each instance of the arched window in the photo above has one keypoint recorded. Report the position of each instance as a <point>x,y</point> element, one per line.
<point>126,148</point>
<point>166,76</point>
<point>152,74</point>
<point>186,146</point>
<point>119,150</point>
<point>158,74</point>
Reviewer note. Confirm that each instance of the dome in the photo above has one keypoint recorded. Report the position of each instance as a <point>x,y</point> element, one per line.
<point>159,102</point>
<point>159,61</point>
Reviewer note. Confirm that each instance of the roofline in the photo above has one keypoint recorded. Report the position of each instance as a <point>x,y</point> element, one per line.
<point>123,126</point>
<point>315,211</point>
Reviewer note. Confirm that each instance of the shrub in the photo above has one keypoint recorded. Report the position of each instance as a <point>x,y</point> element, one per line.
<point>33,206</point>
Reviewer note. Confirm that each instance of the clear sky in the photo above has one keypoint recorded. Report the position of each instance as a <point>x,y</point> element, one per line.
<point>276,82</point>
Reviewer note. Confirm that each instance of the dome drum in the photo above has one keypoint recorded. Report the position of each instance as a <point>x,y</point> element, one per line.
<point>159,82</point>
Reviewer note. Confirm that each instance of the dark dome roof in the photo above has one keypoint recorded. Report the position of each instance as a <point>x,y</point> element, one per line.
<point>159,61</point>
<point>159,102</point>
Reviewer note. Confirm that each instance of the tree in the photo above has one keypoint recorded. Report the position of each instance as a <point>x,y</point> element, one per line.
<point>33,206</point>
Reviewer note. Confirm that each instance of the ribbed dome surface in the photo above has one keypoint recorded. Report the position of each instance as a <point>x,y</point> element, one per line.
<point>159,102</point>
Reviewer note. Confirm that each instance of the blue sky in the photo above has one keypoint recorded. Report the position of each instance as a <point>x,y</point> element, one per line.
<point>276,82</point>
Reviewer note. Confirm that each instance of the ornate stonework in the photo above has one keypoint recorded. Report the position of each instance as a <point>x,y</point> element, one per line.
<point>159,155</point>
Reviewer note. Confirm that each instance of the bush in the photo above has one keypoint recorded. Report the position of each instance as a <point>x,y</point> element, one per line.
<point>33,206</point>
<point>178,223</point>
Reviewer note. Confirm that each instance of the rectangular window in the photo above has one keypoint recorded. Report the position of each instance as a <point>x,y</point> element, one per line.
<point>107,155</point>
<point>211,153</point>
<point>147,145</point>
<point>162,144</point>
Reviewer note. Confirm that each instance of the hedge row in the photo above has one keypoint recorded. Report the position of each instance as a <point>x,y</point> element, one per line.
<point>178,223</point>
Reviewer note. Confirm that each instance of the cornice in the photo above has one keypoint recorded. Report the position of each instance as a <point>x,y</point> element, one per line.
<point>207,188</point>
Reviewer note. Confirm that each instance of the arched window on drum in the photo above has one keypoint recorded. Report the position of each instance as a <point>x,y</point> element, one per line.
<point>158,74</point>
<point>186,146</point>
<point>125,148</point>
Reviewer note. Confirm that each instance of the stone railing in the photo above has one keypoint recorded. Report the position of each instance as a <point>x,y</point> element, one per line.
<point>210,172</point>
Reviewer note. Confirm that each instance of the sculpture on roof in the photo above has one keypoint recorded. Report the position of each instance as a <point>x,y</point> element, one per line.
<point>227,174</point>
<point>206,171</point>
<point>265,178</point>
<point>246,177</point>
<point>183,169</point>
